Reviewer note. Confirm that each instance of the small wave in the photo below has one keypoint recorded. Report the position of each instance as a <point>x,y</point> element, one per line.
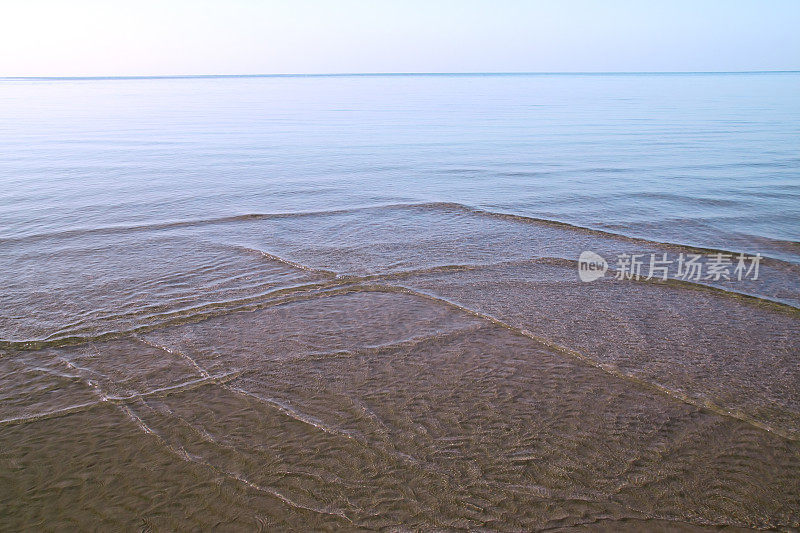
<point>425,206</point>
<point>338,284</point>
<point>683,396</point>
<point>591,230</point>
<point>292,264</point>
<point>111,230</point>
<point>613,370</point>
<point>194,314</point>
<point>692,201</point>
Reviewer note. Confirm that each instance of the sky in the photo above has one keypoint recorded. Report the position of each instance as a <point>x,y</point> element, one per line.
<point>186,37</point>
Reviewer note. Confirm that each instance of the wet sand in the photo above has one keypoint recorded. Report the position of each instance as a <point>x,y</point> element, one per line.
<point>329,372</point>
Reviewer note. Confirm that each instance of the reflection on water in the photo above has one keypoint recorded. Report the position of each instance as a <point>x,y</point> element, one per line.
<point>185,353</point>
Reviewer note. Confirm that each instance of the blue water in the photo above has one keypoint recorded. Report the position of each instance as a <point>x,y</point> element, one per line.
<point>702,159</point>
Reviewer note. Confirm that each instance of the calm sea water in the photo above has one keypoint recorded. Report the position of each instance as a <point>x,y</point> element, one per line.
<point>352,302</point>
<point>710,160</point>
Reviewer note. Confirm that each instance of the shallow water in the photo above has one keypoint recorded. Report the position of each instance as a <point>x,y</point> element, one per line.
<point>353,303</point>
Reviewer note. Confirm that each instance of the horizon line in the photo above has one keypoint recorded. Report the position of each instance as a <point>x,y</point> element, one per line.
<point>389,74</point>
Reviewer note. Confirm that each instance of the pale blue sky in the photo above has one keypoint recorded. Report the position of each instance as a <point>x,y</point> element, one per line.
<point>149,37</point>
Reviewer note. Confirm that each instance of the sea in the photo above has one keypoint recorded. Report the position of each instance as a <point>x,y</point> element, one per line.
<point>405,302</point>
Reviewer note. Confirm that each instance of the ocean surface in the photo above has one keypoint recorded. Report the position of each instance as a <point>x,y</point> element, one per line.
<point>353,302</point>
